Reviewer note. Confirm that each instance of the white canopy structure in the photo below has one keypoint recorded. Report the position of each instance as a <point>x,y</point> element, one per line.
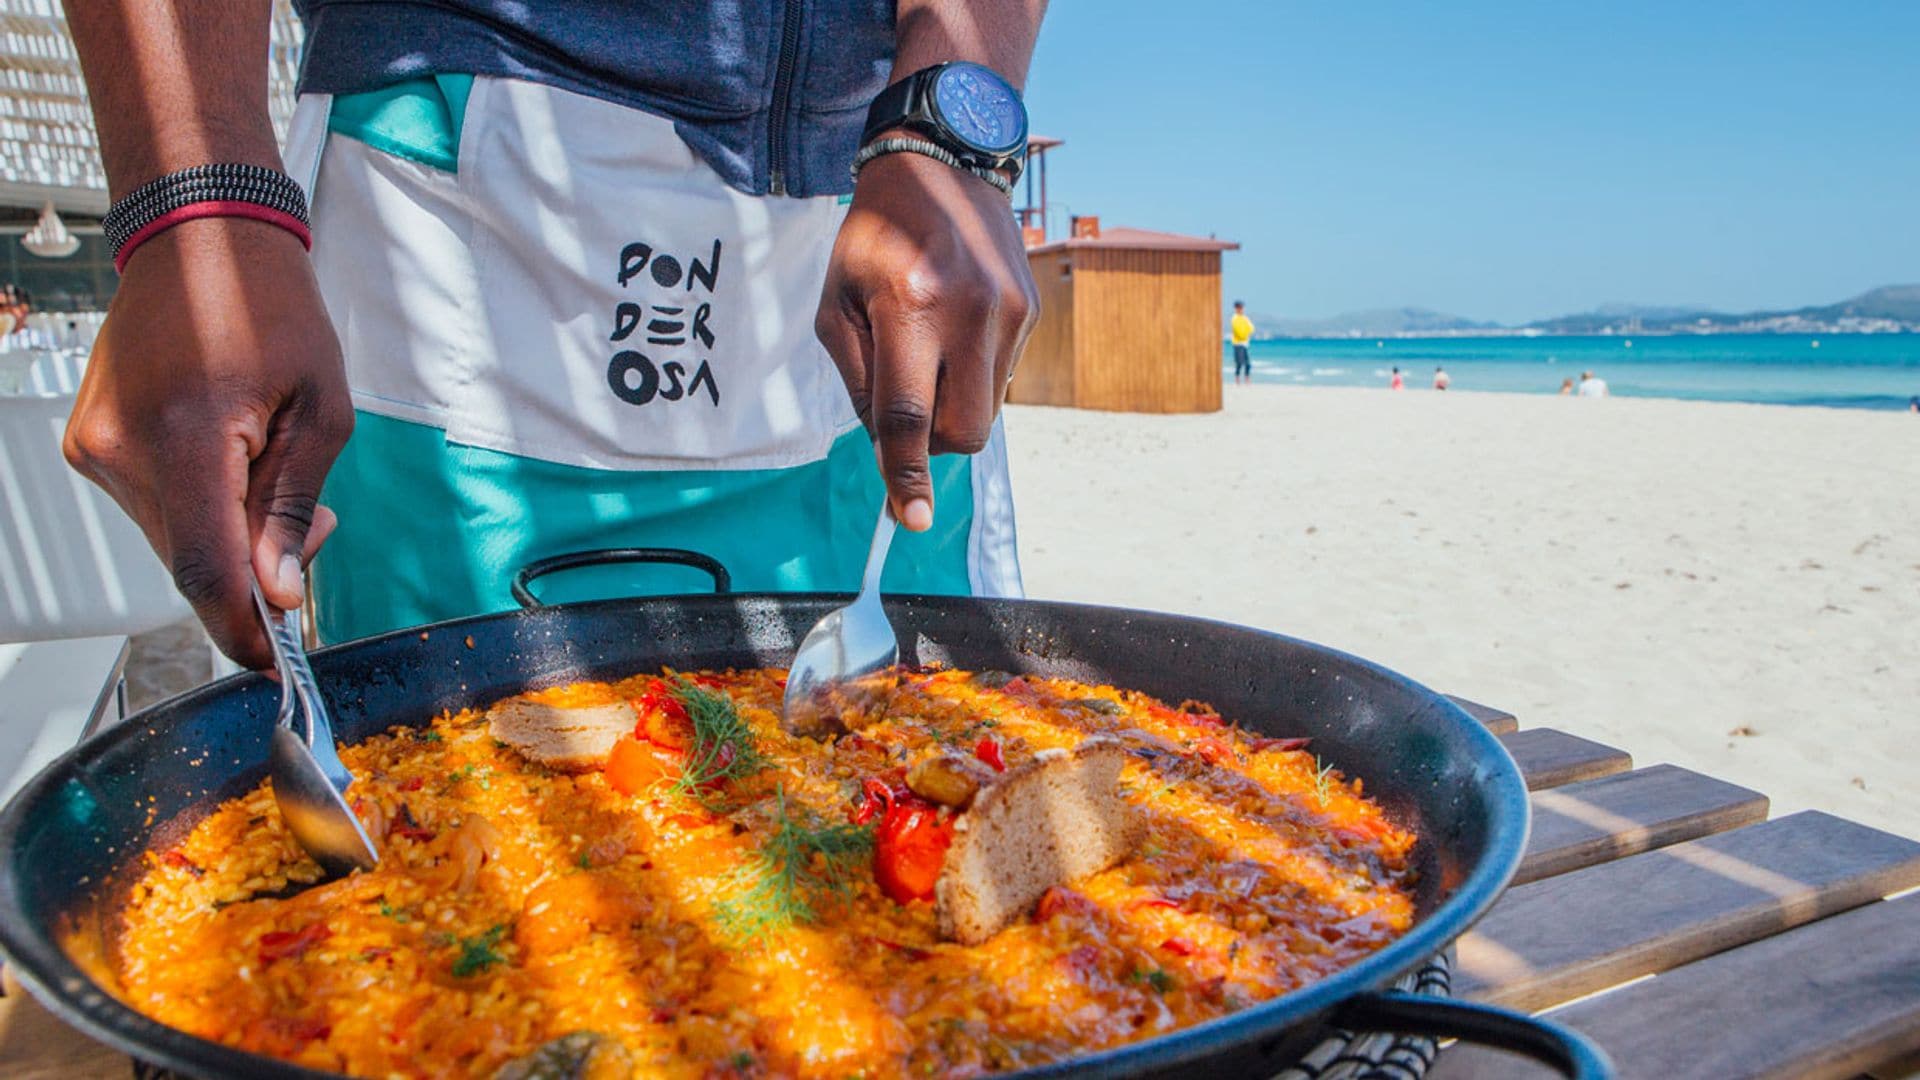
<point>48,152</point>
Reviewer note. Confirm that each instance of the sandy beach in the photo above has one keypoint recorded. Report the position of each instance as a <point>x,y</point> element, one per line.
<point>1731,588</point>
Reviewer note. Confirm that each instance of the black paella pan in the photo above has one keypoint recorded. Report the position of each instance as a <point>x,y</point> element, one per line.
<point>71,842</point>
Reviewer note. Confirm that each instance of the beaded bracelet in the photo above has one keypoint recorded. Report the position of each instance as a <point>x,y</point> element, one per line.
<point>227,189</point>
<point>898,144</point>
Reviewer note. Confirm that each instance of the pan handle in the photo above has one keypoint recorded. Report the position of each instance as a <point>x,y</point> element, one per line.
<point>1557,1045</point>
<point>572,560</point>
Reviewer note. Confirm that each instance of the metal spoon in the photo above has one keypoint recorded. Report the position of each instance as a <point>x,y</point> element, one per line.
<point>851,642</point>
<point>309,779</point>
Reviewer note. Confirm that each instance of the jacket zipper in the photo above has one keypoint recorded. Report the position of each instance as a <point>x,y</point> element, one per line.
<point>782,91</point>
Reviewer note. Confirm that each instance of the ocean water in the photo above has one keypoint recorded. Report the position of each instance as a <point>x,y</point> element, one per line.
<point>1855,371</point>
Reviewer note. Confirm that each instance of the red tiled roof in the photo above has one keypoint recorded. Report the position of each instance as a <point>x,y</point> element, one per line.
<point>1120,236</point>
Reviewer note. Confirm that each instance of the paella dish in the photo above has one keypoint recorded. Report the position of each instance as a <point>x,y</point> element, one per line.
<point>972,873</point>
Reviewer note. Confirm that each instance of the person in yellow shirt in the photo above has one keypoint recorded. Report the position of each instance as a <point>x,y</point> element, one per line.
<point>1241,329</point>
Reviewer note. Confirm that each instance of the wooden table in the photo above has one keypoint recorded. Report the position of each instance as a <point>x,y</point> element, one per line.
<point>1658,910</point>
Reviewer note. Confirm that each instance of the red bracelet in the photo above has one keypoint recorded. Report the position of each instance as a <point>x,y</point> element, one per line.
<point>212,208</point>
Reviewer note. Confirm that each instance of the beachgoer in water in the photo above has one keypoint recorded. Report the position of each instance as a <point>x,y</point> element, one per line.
<point>1440,379</point>
<point>1566,385</point>
<point>1913,403</point>
<point>1397,382</point>
<point>1241,328</point>
<point>1592,385</point>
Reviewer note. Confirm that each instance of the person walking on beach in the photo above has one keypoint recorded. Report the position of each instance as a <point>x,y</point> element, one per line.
<point>1396,383</point>
<point>1440,379</point>
<point>1241,329</point>
<point>529,279</point>
<point>1566,386</point>
<point>1592,385</point>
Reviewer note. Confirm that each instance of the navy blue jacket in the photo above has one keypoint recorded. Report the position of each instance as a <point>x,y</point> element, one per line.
<point>772,93</point>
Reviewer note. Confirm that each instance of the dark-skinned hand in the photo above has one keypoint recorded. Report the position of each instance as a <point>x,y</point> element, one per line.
<point>928,302</point>
<point>213,404</point>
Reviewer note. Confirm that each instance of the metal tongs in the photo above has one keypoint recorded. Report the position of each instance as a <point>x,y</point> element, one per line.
<point>309,780</point>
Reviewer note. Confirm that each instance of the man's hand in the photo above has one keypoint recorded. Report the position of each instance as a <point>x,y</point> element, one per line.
<point>213,404</point>
<point>928,301</point>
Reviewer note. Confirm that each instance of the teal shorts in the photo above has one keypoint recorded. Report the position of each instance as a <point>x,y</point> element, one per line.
<point>432,530</point>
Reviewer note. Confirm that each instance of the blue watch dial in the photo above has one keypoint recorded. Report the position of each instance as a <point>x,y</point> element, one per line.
<point>979,108</point>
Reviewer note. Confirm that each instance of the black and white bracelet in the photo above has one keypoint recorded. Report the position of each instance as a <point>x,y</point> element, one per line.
<point>226,182</point>
<point>898,144</point>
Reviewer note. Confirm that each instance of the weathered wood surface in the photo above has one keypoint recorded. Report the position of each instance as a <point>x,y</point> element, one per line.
<point>1830,999</point>
<point>1576,933</point>
<point>1498,721</point>
<point>1549,758</point>
<point>1595,821</point>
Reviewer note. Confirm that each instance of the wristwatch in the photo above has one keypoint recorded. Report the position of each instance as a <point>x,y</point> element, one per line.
<point>966,109</point>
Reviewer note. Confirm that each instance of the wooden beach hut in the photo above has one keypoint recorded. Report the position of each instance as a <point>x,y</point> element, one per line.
<point>1129,322</point>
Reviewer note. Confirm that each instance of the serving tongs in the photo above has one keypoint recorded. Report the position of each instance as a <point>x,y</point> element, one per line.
<point>846,646</point>
<point>309,781</point>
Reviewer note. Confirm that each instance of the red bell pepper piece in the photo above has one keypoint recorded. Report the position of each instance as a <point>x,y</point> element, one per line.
<point>1259,745</point>
<point>989,752</point>
<point>910,846</point>
<point>279,944</point>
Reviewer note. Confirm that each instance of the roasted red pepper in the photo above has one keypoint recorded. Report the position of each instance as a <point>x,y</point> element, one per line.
<point>1060,900</point>
<point>909,847</point>
<point>279,944</point>
<point>877,799</point>
<point>1213,751</point>
<point>663,717</point>
<point>989,752</point>
<point>1259,745</point>
<point>1179,946</point>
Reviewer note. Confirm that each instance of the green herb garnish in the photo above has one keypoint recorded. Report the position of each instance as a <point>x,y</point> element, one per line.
<point>428,736</point>
<point>741,1061</point>
<point>799,863</point>
<point>723,745</point>
<point>1154,977</point>
<point>1322,779</point>
<point>585,861</point>
<point>398,915</point>
<point>469,771</point>
<point>477,954</point>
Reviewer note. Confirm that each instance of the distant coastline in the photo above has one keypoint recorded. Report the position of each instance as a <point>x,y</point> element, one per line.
<point>1490,333</point>
<point>1890,309</point>
<point>1852,371</point>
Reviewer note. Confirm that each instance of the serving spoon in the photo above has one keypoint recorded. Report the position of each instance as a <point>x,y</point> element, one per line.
<point>309,780</point>
<point>848,644</point>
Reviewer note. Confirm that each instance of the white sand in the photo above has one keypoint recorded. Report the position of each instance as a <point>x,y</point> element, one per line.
<point>1651,574</point>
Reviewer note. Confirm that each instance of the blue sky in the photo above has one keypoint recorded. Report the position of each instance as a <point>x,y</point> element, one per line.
<point>1506,161</point>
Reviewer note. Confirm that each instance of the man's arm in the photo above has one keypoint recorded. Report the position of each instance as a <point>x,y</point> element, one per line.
<point>215,398</point>
<point>928,297</point>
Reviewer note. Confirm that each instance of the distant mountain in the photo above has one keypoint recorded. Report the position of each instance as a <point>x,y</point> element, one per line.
<point>1384,322</point>
<point>1888,309</point>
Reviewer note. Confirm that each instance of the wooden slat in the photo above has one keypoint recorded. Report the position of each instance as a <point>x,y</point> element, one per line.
<point>1825,1000</point>
<point>1498,721</point>
<point>35,1046</point>
<point>1549,758</point>
<point>1564,936</point>
<point>1615,816</point>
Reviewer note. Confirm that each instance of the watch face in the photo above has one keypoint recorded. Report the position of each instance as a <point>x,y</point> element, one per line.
<point>980,109</point>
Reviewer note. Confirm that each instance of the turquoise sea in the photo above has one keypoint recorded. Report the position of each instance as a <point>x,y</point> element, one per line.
<point>1854,371</point>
